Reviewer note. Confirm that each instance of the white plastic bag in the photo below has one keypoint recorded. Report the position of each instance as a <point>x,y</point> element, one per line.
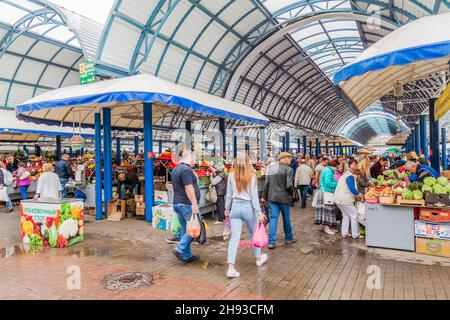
<point>314,201</point>
<point>4,194</point>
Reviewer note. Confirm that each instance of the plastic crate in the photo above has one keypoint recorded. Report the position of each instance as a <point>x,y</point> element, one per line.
<point>434,215</point>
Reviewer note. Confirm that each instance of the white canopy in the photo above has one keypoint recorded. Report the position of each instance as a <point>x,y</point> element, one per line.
<point>125,96</point>
<point>12,129</point>
<point>415,51</point>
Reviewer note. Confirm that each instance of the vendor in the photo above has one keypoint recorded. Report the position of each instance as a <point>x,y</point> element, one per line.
<point>127,182</point>
<point>420,171</point>
<point>378,168</point>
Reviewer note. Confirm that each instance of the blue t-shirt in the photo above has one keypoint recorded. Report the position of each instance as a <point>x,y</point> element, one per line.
<point>182,176</point>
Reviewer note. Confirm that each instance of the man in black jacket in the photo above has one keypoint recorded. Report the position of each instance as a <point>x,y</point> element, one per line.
<point>278,190</point>
<point>63,170</point>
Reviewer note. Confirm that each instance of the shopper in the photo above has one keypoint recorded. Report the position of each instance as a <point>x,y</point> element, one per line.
<point>378,168</point>
<point>64,172</point>
<point>49,184</point>
<point>310,162</point>
<point>318,169</point>
<point>325,212</point>
<point>420,171</point>
<point>185,202</point>
<point>242,206</point>
<point>4,184</point>
<point>128,183</point>
<point>339,171</point>
<point>23,180</point>
<point>364,178</point>
<point>278,191</point>
<point>345,197</point>
<point>220,183</point>
<point>303,177</point>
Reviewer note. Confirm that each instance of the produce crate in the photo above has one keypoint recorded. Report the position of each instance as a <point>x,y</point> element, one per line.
<point>433,230</point>
<point>139,199</point>
<point>437,200</point>
<point>387,200</point>
<point>434,215</point>
<point>140,209</point>
<point>402,201</point>
<point>433,247</point>
<point>116,210</point>
<point>91,211</point>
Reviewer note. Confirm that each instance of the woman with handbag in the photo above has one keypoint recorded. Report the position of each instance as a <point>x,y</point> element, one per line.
<point>242,206</point>
<point>23,180</point>
<point>4,184</point>
<point>345,198</point>
<point>325,208</point>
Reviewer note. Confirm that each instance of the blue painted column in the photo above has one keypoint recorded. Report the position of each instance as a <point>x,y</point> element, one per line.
<point>58,148</point>
<point>334,148</point>
<point>299,146</point>
<point>98,168</point>
<point>327,148</point>
<point>417,146</point>
<point>223,137</point>
<point>160,146</point>
<point>189,142</point>
<point>434,137</point>
<point>107,156</point>
<point>413,140</point>
<point>444,148</point>
<point>262,145</point>
<point>82,151</point>
<point>305,147</point>
<point>317,147</point>
<point>423,136</point>
<point>148,164</point>
<point>235,143</point>
<point>118,153</point>
<point>340,149</point>
<point>310,148</point>
<point>287,141</point>
<point>283,144</point>
<point>70,152</point>
<point>136,145</point>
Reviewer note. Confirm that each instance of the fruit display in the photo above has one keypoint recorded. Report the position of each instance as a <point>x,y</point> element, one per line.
<point>387,193</point>
<point>372,194</point>
<point>439,186</point>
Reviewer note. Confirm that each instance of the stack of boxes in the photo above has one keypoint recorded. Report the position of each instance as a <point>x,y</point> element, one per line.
<point>162,215</point>
<point>140,205</point>
<point>432,232</point>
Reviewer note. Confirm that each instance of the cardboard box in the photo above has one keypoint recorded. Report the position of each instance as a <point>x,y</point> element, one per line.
<point>139,199</point>
<point>116,210</point>
<point>162,215</point>
<point>140,209</point>
<point>432,230</point>
<point>446,173</point>
<point>434,215</point>
<point>433,247</point>
<point>161,197</point>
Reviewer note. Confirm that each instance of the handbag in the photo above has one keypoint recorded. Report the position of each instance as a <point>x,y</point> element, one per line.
<point>211,195</point>
<point>201,239</point>
<point>328,198</point>
<point>296,195</point>
<point>24,175</point>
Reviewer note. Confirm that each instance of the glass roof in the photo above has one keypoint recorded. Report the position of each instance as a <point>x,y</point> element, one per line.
<point>331,44</point>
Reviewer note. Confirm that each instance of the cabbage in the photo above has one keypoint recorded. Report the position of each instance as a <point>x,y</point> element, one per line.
<point>438,189</point>
<point>442,181</point>
<point>407,194</point>
<point>429,181</point>
<point>427,188</point>
<point>447,188</point>
<point>380,178</point>
<point>417,195</point>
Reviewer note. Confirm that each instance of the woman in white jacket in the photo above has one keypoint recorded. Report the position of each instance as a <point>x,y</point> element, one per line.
<point>345,196</point>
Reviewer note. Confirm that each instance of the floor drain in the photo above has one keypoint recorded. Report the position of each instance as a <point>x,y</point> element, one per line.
<point>127,280</point>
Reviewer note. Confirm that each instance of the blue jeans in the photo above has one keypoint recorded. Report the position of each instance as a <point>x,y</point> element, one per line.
<point>274,209</point>
<point>123,190</point>
<point>23,192</point>
<point>63,186</point>
<point>303,194</point>
<point>241,211</point>
<point>184,212</point>
<point>8,203</point>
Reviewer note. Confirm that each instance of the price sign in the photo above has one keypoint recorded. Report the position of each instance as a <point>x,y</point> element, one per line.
<point>77,142</point>
<point>150,155</point>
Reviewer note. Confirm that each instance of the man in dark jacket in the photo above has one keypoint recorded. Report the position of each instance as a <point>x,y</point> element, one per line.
<point>220,183</point>
<point>278,191</point>
<point>378,168</point>
<point>63,170</point>
<point>419,171</point>
<point>128,183</point>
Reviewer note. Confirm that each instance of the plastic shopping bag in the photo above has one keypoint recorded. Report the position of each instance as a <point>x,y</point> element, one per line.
<point>227,229</point>
<point>314,201</point>
<point>4,194</point>
<point>201,239</point>
<point>260,238</point>
<point>193,226</point>
<point>175,225</point>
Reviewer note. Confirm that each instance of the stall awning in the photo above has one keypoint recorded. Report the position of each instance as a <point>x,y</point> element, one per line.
<point>12,129</point>
<point>413,52</point>
<point>125,97</point>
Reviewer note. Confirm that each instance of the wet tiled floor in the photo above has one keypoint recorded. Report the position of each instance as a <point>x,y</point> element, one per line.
<point>316,267</point>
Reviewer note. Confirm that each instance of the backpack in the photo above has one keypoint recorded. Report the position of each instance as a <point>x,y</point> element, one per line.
<point>7,177</point>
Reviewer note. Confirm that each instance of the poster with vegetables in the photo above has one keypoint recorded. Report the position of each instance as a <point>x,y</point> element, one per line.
<point>52,225</point>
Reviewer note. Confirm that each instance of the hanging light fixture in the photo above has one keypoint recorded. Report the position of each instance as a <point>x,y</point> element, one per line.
<point>398,89</point>
<point>399,106</point>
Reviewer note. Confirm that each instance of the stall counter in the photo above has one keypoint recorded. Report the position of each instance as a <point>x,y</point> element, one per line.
<point>52,223</point>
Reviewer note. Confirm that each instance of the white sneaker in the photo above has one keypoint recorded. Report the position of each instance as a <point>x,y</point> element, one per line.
<point>345,235</point>
<point>232,273</point>
<point>261,260</point>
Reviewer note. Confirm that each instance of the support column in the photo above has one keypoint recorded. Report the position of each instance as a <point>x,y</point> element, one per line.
<point>235,143</point>
<point>136,145</point>
<point>70,151</point>
<point>262,145</point>
<point>247,144</point>
<point>98,168</point>
<point>283,144</point>
<point>118,154</point>
<point>444,148</point>
<point>434,137</point>
<point>148,164</point>
<point>160,146</point>
<point>58,148</point>
<point>334,148</point>
<point>327,148</point>
<point>423,136</point>
<point>340,149</point>
<point>417,146</point>
<point>107,155</point>
<point>317,147</point>
<point>189,143</point>
<point>310,149</point>
<point>223,137</point>
<point>299,146</point>
<point>304,146</point>
<point>287,142</point>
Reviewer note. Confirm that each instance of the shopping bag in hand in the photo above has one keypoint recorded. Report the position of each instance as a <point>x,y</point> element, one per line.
<point>4,194</point>
<point>175,225</point>
<point>260,238</point>
<point>201,239</point>
<point>227,229</point>
<point>193,226</point>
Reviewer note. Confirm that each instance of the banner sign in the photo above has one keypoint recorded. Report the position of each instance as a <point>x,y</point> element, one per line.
<point>442,104</point>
